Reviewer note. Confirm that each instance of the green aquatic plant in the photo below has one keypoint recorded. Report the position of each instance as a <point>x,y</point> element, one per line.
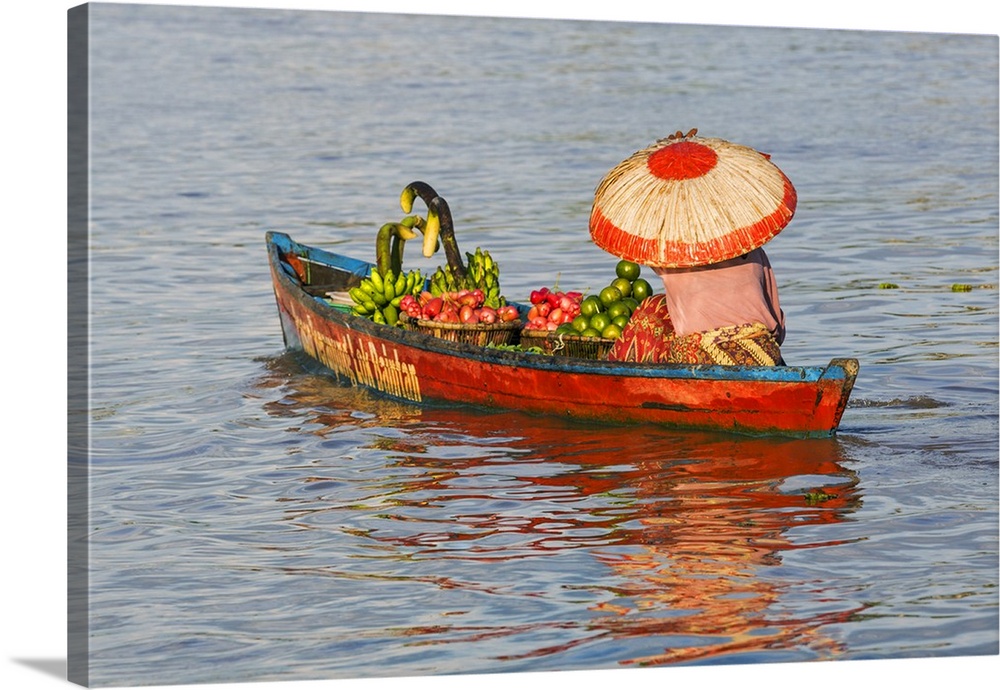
<point>516,348</point>
<point>818,496</point>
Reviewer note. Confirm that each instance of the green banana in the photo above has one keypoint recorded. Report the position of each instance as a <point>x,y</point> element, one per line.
<point>389,243</point>
<point>482,273</point>
<point>367,286</point>
<point>410,222</point>
<point>389,285</point>
<point>364,303</point>
<point>390,314</point>
<point>357,294</point>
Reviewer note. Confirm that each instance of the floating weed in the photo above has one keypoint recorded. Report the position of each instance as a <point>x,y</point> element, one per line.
<point>814,497</point>
<point>954,287</point>
<point>516,348</point>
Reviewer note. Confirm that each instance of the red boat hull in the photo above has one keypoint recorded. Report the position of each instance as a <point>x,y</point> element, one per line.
<point>798,401</point>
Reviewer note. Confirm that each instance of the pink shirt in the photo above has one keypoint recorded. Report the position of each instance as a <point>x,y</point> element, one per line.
<point>731,293</point>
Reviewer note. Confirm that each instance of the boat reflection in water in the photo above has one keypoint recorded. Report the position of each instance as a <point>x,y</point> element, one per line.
<point>683,531</point>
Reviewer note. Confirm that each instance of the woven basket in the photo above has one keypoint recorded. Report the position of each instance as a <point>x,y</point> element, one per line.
<point>476,334</point>
<point>566,345</point>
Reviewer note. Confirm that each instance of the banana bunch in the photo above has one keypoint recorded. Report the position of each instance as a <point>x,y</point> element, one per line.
<point>482,272</point>
<point>377,297</point>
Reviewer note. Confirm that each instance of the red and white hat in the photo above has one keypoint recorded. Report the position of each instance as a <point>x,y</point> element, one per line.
<point>689,201</point>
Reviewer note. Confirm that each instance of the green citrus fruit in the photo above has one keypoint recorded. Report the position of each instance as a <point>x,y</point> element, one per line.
<point>641,289</point>
<point>618,308</point>
<point>627,270</point>
<point>631,302</point>
<point>591,333</point>
<point>591,305</point>
<point>611,331</point>
<point>565,329</point>
<point>610,295</point>
<point>620,321</point>
<point>580,323</point>
<point>624,286</point>
<point>600,321</point>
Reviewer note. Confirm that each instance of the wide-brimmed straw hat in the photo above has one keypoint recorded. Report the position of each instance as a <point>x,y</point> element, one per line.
<point>690,201</point>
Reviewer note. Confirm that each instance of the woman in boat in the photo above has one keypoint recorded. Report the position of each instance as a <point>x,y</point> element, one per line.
<point>707,205</point>
<point>726,313</point>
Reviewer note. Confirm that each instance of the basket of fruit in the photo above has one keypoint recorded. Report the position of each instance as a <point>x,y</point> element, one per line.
<point>462,317</point>
<point>571,324</point>
<point>566,344</point>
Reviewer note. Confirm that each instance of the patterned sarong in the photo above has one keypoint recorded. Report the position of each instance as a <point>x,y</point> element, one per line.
<point>649,337</point>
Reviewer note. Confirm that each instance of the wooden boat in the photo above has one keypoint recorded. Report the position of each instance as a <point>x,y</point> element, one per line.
<point>417,367</point>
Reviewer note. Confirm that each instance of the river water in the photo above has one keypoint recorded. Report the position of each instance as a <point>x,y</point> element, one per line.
<point>250,520</point>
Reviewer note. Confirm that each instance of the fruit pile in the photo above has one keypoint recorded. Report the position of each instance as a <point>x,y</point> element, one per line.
<point>379,296</point>
<point>462,306</point>
<point>552,309</point>
<point>482,273</point>
<point>455,293</point>
<point>604,315</point>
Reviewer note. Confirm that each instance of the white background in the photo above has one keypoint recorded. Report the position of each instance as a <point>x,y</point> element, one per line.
<point>32,385</point>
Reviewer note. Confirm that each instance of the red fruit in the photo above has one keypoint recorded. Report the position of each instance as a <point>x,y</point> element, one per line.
<point>551,325</point>
<point>543,308</point>
<point>468,314</point>
<point>487,315</point>
<point>556,315</point>
<point>433,307</point>
<point>425,297</point>
<point>508,313</point>
<point>470,299</point>
<point>449,316</point>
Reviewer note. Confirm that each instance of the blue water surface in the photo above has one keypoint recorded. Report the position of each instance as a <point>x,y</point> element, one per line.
<point>251,520</point>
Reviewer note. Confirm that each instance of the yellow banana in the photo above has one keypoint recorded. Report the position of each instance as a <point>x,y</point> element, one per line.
<point>406,198</point>
<point>431,233</point>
